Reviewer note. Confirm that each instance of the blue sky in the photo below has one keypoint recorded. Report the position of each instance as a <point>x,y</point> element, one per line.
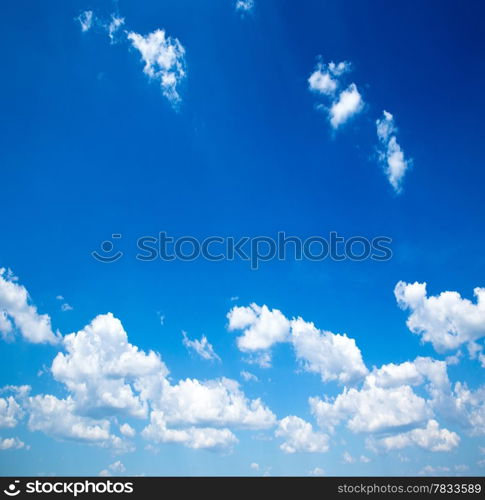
<point>233,137</point>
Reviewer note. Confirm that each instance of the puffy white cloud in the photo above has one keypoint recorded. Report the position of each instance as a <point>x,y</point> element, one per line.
<point>326,80</point>
<point>10,412</point>
<point>470,408</point>
<point>202,347</point>
<point>431,438</point>
<point>164,59</point>
<point>86,20</point>
<point>127,430</point>
<point>55,417</point>
<point>332,356</point>
<point>244,5</point>
<point>348,458</point>
<point>192,437</point>
<point>300,437</point>
<point>446,320</point>
<point>101,368</point>
<point>11,444</point>
<point>391,154</point>
<point>254,466</point>
<point>371,409</point>
<point>347,105</point>
<point>214,403</point>
<point>15,307</point>
<point>262,327</point>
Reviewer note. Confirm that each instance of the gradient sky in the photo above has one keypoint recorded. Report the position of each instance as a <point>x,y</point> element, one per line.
<point>240,143</point>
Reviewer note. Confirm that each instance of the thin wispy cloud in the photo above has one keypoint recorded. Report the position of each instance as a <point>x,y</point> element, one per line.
<point>201,347</point>
<point>391,155</point>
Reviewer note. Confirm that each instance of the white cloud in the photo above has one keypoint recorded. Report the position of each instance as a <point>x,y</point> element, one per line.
<point>470,408</point>
<point>202,347</point>
<point>446,320</point>
<point>348,458</point>
<point>332,356</point>
<point>55,417</point>
<point>317,471</point>
<point>127,430</point>
<point>244,5</point>
<point>371,409</point>
<point>254,466</point>
<point>248,376</point>
<point>300,437</point>
<point>15,307</point>
<point>10,412</point>
<point>66,307</point>
<point>164,59</point>
<point>348,104</point>
<point>430,438</point>
<point>86,19</point>
<point>192,437</point>
<point>262,328</point>
<point>11,444</point>
<point>101,367</point>
<point>213,403</point>
<point>391,154</point>
<point>326,80</point>
<point>115,24</point>
<point>117,467</point>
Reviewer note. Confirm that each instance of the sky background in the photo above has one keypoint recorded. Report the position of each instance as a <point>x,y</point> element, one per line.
<point>90,146</point>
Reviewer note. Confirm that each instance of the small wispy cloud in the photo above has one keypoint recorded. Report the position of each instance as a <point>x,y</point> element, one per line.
<point>201,347</point>
<point>244,5</point>
<point>391,155</point>
<point>64,306</point>
<point>86,19</point>
<point>114,26</point>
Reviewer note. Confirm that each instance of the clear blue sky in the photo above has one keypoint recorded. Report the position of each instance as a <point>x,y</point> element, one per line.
<point>90,146</point>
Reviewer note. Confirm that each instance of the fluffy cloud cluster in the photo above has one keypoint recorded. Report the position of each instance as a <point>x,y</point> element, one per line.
<point>332,356</point>
<point>300,437</point>
<point>11,444</point>
<point>341,105</point>
<point>164,59</point>
<point>391,155</point>
<point>387,408</point>
<point>16,314</point>
<point>446,320</point>
<point>201,347</point>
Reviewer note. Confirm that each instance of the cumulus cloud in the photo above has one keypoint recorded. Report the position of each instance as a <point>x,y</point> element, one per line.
<point>192,437</point>
<point>10,412</point>
<point>348,104</point>
<point>17,313</point>
<point>299,436</point>
<point>447,320</point>
<point>201,347</point>
<point>164,59</point>
<point>431,438</point>
<point>127,430</point>
<point>100,368</point>
<point>391,155</point>
<point>332,356</point>
<point>340,105</point>
<point>371,409</point>
<point>214,403</point>
<point>117,467</point>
